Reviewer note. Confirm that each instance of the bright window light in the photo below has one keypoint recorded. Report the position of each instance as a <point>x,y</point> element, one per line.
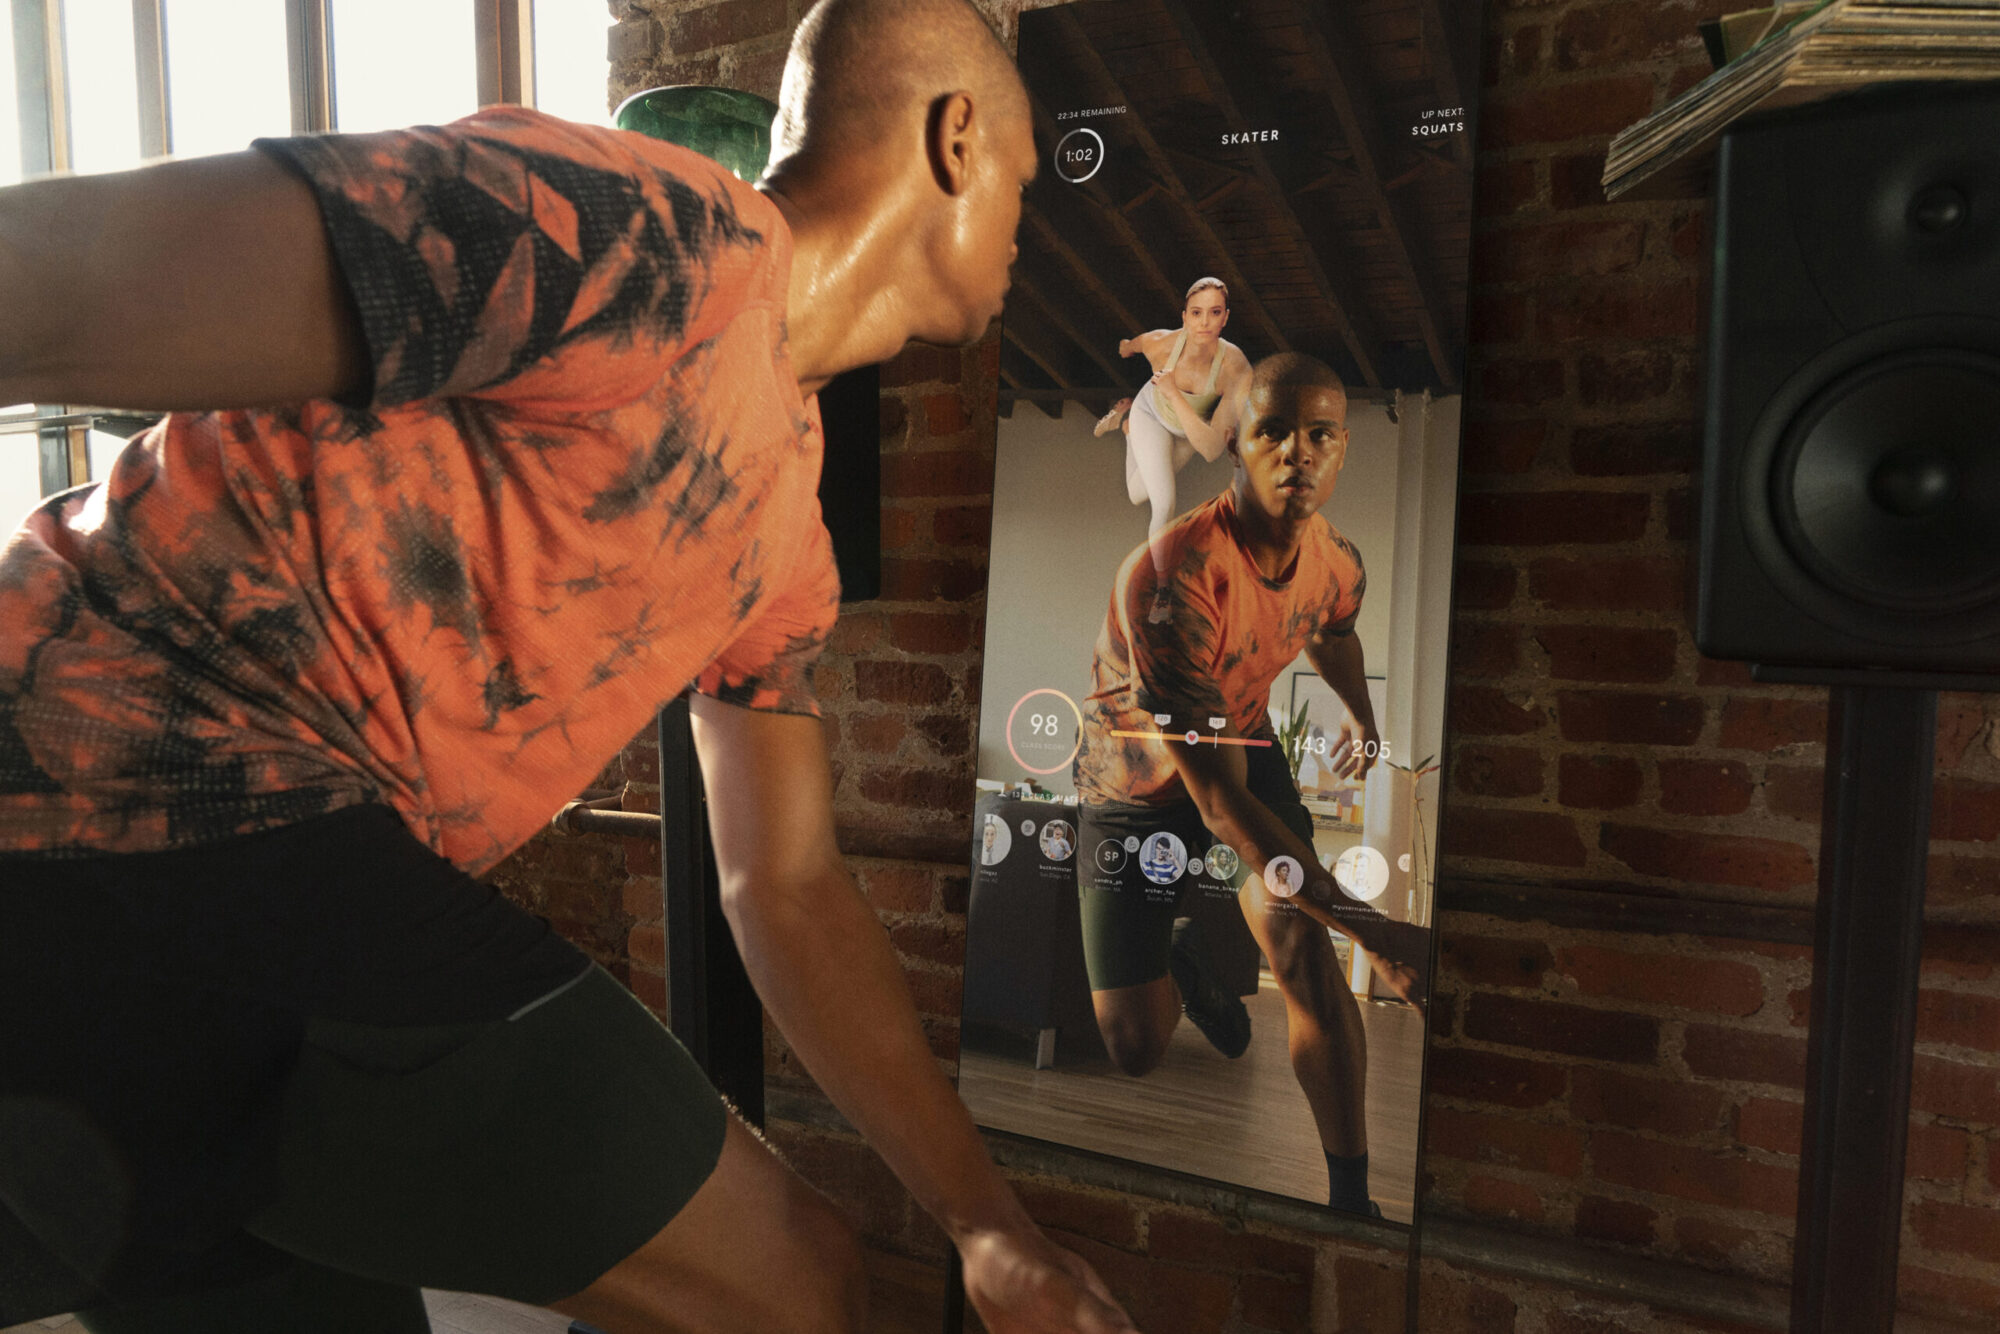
<point>20,475</point>
<point>402,62</point>
<point>10,119</point>
<point>103,85</point>
<point>226,81</point>
<point>571,67</point>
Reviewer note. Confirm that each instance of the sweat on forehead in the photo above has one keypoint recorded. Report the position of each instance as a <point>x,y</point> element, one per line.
<point>857,67</point>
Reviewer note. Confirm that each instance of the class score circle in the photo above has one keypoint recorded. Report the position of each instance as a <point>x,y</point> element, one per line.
<point>1044,738</point>
<point>1078,155</point>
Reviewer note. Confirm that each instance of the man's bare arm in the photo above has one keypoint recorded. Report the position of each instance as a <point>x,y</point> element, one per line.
<point>822,964</point>
<point>1340,662</point>
<point>199,284</point>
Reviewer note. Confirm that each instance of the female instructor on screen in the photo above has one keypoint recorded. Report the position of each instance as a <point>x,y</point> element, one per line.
<point>1187,408</point>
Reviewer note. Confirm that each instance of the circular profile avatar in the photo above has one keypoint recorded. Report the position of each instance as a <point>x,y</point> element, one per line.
<point>1223,861</point>
<point>995,841</point>
<point>1283,877</point>
<point>1362,873</point>
<point>1058,841</point>
<point>1163,859</point>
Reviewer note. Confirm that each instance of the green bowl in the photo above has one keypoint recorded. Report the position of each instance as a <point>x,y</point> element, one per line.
<point>724,125</point>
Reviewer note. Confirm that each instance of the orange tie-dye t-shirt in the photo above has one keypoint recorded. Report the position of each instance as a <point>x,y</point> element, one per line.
<point>582,480</point>
<point>1230,631</point>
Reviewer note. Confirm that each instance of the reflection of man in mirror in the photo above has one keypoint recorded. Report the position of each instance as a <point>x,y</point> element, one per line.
<point>1188,407</point>
<point>1257,575</point>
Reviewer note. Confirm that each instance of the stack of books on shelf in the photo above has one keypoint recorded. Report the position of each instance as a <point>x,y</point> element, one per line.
<point>1835,47</point>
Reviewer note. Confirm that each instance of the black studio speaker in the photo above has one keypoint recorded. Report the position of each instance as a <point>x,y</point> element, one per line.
<point>1850,494</point>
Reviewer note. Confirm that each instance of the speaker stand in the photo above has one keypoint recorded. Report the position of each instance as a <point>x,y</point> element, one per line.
<point>1874,838</point>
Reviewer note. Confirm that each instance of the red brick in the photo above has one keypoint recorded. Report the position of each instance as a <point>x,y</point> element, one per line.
<point>1497,317</point>
<point>1597,782</point>
<point>1485,711</point>
<point>1273,1303</point>
<point>1622,379</point>
<point>1504,1141</point>
<point>1370,1296</point>
<point>1501,188</point>
<point>1694,1174</point>
<point>1480,586</point>
<point>962,525</point>
<point>1770,1123</point>
<point>1561,112</point>
<point>1551,518</point>
<point>1561,249</point>
<point>1518,382</point>
<point>1109,1218</point>
<point>878,734</point>
<point>1454,1303</point>
<point>1964,811</point>
<point>1715,1052</point>
<point>1799,1005</point>
<point>1958,1229</point>
<point>902,682</point>
<point>953,891</point>
<point>907,580</point>
<point>917,789</point>
<point>930,632</point>
<point>944,414</point>
<point>1613,35</point>
<point>1495,961</point>
<point>1717,986</point>
<point>1497,771</point>
<point>1494,1197</point>
<point>1576,180</point>
<point>1939,1153</point>
<point>1710,672</point>
<point>1954,879</point>
<point>937,473</point>
<point>725,24</point>
<point>1609,310</point>
<point>933,942</point>
<point>1677,511</point>
<point>949,734</point>
<point>1490,1077</point>
<point>650,989</point>
<point>760,72</point>
<point>1485,651</point>
<point>1951,1088</point>
<point>1705,787</point>
<point>1628,718</point>
<point>899,527</point>
<point>1766,724</point>
<point>895,416</point>
<point>849,1172</point>
<point>1205,1241</point>
<point>1539,838</point>
<point>1615,1220</point>
<point>1632,451</point>
<point>1952,1296</point>
<point>1961,721</point>
<point>1614,1097</point>
<point>1970,953</point>
<point>1636,583</point>
<point>1709,859</point>
<point>1608,655</point>
<point>1572,1030</point>
<point>1955,1019</point>
<point>1502,447</point>
<point>921,363</point>
<point>1713,1242</point>
<point>1796,793</point>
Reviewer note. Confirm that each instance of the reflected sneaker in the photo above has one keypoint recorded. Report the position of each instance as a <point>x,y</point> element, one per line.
<point>1222,1018</point>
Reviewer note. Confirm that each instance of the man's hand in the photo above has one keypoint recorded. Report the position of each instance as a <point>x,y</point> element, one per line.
<point>1355,752</point>
<point>1020,1282</point>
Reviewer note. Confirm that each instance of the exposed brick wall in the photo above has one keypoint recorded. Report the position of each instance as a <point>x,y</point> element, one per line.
<point>1639,1093</point>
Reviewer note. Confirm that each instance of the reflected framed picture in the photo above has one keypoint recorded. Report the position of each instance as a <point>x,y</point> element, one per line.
<point>1198,935</point>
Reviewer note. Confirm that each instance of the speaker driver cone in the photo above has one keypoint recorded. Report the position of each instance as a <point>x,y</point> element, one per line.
<point>1886,487</point>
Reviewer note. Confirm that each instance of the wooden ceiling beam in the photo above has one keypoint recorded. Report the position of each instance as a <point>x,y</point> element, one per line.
<point>1080,269</point>
<point>1243,297</point>
<point>1113,216</point>
<point>1091,347</point>
<point>1346,92</point>
<point>1350,315</point>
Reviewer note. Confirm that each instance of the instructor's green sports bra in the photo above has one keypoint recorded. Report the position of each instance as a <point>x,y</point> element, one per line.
<point>1204,402</point>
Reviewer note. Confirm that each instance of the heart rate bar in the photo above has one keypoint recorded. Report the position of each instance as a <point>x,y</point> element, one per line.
<point>1196,738</point>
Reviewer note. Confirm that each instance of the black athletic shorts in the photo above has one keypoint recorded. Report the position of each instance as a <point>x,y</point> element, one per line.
<point>322,1042</point>
<point>1136,866</point>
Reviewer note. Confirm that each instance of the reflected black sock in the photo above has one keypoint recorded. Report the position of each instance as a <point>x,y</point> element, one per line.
<point>1347,1182</point>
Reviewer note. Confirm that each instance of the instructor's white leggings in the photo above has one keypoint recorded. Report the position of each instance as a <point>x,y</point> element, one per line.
<point>1154,452</point>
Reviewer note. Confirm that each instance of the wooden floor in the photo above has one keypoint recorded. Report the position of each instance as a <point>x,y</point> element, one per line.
<point>1243,1121</point>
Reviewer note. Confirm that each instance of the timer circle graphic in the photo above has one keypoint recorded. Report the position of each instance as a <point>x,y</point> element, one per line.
<point>1079,154</point>
<point>1035,739</point>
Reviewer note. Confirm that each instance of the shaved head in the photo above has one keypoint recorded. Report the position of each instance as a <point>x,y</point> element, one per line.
<point>1295,370</point>
<point>861,68</point>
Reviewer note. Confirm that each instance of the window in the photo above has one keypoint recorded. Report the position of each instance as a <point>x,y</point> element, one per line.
<point>102,81</point>
<point>10,116</point>
<point>402,62</point>
<point>227,78</point>
<point>572,69</point>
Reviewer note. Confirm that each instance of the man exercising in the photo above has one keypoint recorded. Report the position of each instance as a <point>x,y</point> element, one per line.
<point>484,441</point>
<point>1257,575</point>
